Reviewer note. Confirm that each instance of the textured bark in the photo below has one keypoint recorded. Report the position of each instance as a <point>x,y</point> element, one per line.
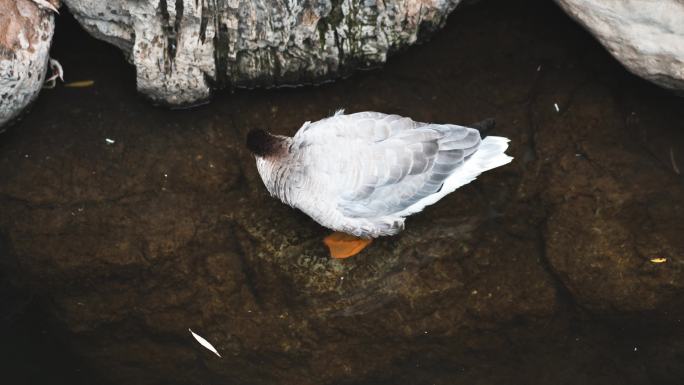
<point>183,49</point>
<point>646,36</point>
<point>25,36</point>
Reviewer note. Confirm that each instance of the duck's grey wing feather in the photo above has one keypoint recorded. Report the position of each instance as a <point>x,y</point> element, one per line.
<point>405,167</point>
<point>376,165</point>
<point>367,126</point>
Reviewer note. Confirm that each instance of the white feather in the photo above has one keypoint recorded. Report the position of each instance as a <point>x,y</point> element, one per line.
<point>204,342</point>
<point>57,72</point>
<point>489,155</point>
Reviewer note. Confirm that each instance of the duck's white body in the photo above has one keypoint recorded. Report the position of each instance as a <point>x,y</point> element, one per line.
<point>363,173</point>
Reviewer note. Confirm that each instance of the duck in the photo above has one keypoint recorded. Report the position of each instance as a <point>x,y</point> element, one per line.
<point>362,174</point>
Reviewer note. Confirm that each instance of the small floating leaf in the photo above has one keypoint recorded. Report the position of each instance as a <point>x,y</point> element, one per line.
<point>80,84</point>
<point>204,343</point>
<point>658,260</point>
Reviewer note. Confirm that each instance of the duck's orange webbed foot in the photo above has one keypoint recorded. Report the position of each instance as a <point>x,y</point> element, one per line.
<point>343,245</point>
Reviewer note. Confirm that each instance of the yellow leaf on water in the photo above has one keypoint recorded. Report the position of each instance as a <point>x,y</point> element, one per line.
<point>658,260</point>
<point>80,84</point>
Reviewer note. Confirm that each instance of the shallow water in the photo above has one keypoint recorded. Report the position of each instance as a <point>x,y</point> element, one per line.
<point>164,183</point>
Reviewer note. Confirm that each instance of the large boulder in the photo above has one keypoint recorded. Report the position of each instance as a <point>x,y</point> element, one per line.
<point>646,36</point>
<point>25,36</point>
<point>182,50</point>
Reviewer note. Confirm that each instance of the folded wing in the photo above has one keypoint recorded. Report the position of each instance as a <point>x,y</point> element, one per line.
<point>390,163</point>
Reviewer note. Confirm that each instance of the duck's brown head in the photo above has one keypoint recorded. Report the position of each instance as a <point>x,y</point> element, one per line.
<point>264,144</point>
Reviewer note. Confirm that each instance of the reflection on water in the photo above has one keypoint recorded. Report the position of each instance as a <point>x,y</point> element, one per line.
<point>142,222</point>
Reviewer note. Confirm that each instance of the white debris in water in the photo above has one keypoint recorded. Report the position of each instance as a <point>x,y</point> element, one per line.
<point>635,349</point>
<point>539,68</point>
<point>58,70</point>
<point>110,141</point>
<point>57,73</point>
<point>555,105</point>
<point>204,343</point>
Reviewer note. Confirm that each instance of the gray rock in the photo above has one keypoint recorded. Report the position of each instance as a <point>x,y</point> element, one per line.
<point>646,36</point>
<point>25,36</point>
<point>182,50</point>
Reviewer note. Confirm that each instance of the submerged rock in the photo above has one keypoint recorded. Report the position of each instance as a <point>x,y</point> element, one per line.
<point>647,37</point>
<point>614,233</point>
<point>25,36</point>
<point>195,242</point>
<point>184,49</point>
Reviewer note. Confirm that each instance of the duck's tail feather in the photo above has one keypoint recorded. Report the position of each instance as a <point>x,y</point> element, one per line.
<point>489,155</point>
